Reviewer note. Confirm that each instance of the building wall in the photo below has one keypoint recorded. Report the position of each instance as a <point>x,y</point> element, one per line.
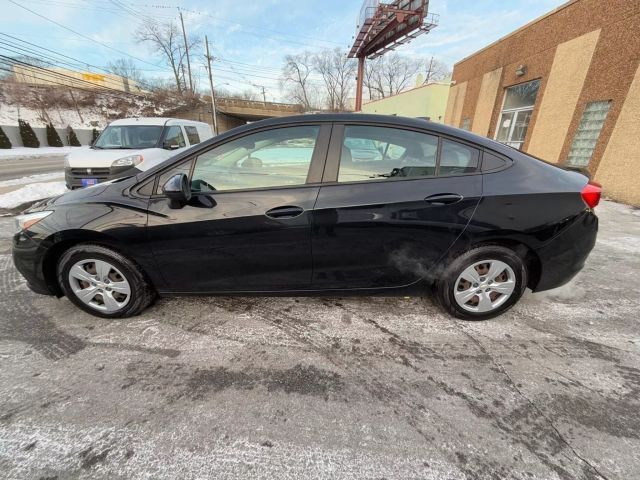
<point>71,78</point>
<point>425,101</point>
<point>583,51</point>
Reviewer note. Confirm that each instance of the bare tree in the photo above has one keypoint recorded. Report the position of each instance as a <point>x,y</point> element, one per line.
<point>388,75</point>
<point>167,41</point>
<point>295,79</point>
<point>126,68</point>
<point>338,74</point>
<point>436,71</point>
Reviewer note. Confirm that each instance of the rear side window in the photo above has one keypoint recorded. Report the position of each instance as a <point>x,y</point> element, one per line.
<point>458,158</point>
<point>373,153</point>
<point>192,134</point>
<point>492,162</point>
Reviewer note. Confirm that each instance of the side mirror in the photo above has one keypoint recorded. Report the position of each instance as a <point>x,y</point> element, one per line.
<point>167,145</point>
<point>177,190</point>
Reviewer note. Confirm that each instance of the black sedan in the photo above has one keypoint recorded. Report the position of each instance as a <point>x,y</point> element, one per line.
<point>286,207</point>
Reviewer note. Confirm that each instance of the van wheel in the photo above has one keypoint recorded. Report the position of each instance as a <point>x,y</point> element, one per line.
<point>102,282</point>
<point>482,283</point>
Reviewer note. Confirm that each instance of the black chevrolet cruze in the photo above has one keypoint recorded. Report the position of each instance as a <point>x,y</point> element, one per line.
<point>314,204</point>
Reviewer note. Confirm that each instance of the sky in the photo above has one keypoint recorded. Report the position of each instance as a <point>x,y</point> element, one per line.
<point>248,38</point>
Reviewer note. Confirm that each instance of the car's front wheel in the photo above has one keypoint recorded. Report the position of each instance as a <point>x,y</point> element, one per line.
<point>482,283</point>
<point>103,282</point>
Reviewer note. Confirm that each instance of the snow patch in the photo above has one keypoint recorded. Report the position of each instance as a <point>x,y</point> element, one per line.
<point>19,152</point>
<point>32,192</point>
<point>41,177</point>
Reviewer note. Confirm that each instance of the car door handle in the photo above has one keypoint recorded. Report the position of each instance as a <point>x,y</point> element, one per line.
<point>443,199</point>
<point>285,212</point>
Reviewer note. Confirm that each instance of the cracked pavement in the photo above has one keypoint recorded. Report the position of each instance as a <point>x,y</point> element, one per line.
<point>335,387</point>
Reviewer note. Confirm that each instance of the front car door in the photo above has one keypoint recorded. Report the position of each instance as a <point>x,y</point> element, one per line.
<point>247,226</point>
<point>396,200</point>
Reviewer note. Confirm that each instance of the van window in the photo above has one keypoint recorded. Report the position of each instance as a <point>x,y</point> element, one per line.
<point>192,134</point>
<point>174,136</point>
<point>129,136</point>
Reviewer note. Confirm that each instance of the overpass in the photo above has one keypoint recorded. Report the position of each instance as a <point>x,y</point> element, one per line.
<point>233,112</point>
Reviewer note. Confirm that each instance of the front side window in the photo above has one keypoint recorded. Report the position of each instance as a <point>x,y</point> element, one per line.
<point>372,153</point>
<point>519,102</point>
<point>192,134</point>
<point>174,138</point>
<point>273,158</point>
<point>129,137</point>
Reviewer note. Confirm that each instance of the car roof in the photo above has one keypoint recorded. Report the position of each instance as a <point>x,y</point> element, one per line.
<point>155,121</point>
<point>387,120</point>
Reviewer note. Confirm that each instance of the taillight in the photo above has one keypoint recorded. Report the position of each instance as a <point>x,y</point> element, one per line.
<point>591,194</point>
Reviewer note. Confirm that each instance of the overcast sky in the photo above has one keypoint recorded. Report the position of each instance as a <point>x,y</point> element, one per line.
<point>250,37</point>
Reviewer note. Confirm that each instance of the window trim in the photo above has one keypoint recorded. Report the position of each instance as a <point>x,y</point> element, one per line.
<point>314,176</point>
<point>332,167</point>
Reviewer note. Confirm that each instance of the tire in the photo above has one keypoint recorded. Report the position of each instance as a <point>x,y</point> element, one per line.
<point>488,297</point>
<point>122,290</point>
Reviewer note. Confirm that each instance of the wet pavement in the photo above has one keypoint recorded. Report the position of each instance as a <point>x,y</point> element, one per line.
<point>364,387</point>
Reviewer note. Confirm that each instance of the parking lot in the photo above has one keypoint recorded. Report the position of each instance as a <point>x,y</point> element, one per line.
<point>358,387</point>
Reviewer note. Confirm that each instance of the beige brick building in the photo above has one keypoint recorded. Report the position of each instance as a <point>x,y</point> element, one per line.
<point>566,88</point>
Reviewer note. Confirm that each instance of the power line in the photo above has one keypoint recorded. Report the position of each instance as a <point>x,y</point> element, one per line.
<point>54,60</point>
<point>81,34</point>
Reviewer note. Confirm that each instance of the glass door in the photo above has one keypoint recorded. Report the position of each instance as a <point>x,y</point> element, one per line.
<point>516,113</point>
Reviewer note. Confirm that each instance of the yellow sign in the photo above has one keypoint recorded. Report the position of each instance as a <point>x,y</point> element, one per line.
<point>93,77</point>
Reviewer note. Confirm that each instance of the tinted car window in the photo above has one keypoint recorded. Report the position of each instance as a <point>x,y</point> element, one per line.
<point>174,137</point>
<point>182,168</point>
<point>492,162</point>
<point>273,158</point>
<point>192,134</point>
<point>457,158</point>
<point>372,153</point>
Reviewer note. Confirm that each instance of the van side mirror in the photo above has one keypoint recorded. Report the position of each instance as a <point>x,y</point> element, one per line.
<point>177,190</point>
<point>168,145</point>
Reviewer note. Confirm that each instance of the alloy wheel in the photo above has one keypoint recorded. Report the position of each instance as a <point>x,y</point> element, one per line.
<point>100,285</point>
<point>484,286</point>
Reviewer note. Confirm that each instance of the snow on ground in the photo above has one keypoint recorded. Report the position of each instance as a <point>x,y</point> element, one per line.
<point>60,117</point>
<point>40,177</point>
<point>31,192</point>
<point>18,152</point>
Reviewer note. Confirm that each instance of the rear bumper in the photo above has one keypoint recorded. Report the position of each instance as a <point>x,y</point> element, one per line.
<point>564,256</point>
<point>73,176</point>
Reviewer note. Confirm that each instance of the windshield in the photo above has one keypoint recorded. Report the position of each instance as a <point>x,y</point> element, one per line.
<point>129,136</point>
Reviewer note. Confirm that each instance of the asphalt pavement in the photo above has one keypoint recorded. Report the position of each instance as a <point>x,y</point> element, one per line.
<point>22,167</point>
<point>337,388</point>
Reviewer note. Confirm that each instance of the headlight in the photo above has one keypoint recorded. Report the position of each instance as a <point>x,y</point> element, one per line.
<point>23,222</point>
<point>130,161</point>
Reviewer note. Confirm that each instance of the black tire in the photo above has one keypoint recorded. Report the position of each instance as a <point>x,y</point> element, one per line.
<point>444,287</point>
<point>142,293</point>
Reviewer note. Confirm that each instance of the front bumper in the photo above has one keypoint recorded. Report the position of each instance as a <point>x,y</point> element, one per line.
<point>74,175</point>
<point>565,255</point>
<point>28,260</point>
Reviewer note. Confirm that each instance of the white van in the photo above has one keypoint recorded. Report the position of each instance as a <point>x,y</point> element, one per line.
<point>129,146</point>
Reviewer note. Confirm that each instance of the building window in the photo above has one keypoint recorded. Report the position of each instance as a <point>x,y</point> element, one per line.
<point>586,138</point>
<point>466,124</point>
<point>519,101</point>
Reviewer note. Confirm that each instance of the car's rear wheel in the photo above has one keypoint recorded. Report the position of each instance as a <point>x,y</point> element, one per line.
<point>103,282</point>
<point>482,283</point>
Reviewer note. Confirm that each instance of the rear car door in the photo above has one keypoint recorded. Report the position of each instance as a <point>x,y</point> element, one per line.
<point>392,203</point>
<point>247,226</point>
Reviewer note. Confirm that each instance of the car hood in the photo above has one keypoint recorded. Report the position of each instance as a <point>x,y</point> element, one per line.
<point>98,158</point>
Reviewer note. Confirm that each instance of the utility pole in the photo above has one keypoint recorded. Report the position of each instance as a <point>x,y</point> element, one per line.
<point>213,94</point>
<point>186,48</point>
<point>264,96</point>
